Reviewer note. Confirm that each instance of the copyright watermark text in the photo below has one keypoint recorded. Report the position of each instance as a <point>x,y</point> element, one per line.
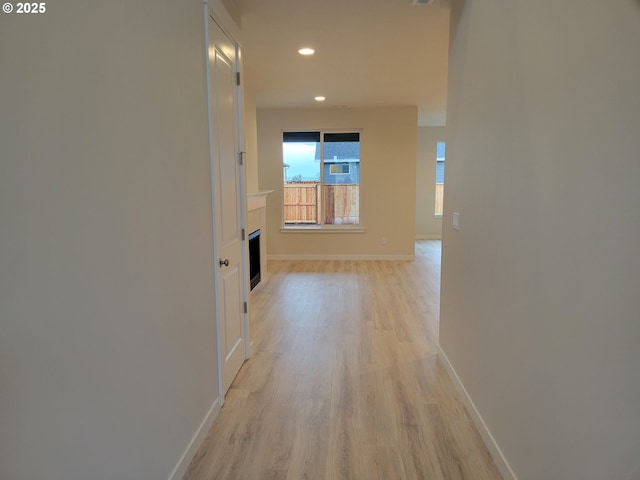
<point>20,7</point>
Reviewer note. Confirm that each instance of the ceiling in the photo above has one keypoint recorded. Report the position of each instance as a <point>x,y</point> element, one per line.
<point>368,53</point>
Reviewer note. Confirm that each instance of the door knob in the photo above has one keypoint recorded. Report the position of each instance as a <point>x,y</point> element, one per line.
<point>224,263</point>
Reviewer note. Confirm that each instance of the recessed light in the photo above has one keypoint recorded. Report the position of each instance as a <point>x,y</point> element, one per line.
<point>306,51</point>
<point>320,98</point>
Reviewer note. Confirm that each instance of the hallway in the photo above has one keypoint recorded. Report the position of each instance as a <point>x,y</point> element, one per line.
<point>344,381</point>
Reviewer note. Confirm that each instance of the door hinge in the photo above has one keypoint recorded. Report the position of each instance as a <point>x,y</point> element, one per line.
<point>238,78</point>
<point>246,307</point>
<point>243,234</point>
<point>241,158</point>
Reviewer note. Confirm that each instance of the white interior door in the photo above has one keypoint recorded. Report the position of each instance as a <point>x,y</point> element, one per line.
<point>228,205</point>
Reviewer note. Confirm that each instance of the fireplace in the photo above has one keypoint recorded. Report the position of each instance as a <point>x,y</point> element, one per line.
<point>254,258</point>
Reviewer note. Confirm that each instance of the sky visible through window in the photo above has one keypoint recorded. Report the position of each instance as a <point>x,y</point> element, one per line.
<point>440,154</point>
<point>299,160</point>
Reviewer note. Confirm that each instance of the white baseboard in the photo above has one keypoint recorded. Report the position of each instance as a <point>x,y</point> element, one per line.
<point>196,442</point>
<point>339,257</point>
<point>428,237</point>
<point>495,451</point>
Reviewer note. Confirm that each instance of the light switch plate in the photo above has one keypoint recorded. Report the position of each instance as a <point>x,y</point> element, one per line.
<point>456,221</point>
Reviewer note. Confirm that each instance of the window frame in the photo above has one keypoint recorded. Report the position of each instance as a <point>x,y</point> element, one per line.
<point>324,227</point>
<point>436,183</point>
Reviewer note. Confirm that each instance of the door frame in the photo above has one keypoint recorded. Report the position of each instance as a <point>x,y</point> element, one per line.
<point>211,15</point>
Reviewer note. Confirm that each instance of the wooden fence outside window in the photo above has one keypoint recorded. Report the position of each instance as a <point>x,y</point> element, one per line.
<point>439,198</point>
<point>341,204</point>
<point>301,203</point>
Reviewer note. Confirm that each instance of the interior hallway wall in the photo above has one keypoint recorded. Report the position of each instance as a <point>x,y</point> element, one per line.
<point>539,307</point>
<point>107,344</point>
<point>250,141</point>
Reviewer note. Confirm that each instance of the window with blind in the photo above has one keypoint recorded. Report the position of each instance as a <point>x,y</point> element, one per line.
<point>321,178</point>
<point>440,154</point>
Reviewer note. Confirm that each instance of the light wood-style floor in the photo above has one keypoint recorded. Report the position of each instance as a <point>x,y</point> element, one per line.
<point>345,382</point>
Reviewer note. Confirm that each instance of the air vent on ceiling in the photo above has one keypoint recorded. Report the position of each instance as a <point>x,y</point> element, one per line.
<point>421,2</point>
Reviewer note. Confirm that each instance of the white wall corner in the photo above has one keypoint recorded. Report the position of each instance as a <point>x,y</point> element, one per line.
<point>490,442</point>
<point>196,442</point>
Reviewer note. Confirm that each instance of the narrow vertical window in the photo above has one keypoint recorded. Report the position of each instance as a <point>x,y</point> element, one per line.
<point>321,178</point>
<point>440,155</point>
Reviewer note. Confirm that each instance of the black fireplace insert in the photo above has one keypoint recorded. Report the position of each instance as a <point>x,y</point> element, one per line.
<point>254,259</point>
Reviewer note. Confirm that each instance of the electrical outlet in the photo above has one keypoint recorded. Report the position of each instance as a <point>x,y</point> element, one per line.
<point>383,241</point>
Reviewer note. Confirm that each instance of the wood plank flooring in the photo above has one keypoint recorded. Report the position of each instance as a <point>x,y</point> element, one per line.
<point>345,382</point>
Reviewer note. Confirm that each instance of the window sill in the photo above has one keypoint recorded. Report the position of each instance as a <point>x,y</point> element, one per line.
<point>323,229</point>
<point>437,215</point>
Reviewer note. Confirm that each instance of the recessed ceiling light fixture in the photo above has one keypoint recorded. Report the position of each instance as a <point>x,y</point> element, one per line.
<point>306,51</point>
<point>320,98</point>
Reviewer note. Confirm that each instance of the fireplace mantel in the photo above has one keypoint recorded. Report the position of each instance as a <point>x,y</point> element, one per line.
<point>257,200</point>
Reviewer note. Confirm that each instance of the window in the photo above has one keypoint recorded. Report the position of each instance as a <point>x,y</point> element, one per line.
<point>339,169</point>
<point>440,154</point>
<point>321,178</point>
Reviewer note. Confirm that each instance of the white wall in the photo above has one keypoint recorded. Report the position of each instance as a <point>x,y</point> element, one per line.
<point>540,305</point>
<point>427,226</point>
<point>250,141</point>
<point>388,170</point>
<point>107,344</point>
